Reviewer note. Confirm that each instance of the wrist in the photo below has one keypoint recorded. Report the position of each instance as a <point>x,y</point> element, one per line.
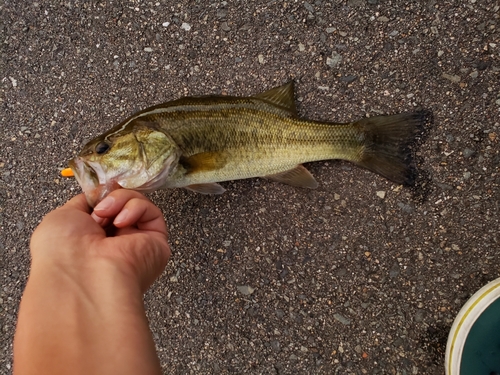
<point>90,317</point>
<point>96,281</point>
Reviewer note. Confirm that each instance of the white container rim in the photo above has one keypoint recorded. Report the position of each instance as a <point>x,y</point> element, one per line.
<point>464,321</point>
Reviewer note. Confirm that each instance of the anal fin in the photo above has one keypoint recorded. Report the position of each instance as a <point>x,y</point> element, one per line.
<point>298,176</point>
<point>209,188</point>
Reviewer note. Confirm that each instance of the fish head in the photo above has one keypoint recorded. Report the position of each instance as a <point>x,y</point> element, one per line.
<point>138,156</point>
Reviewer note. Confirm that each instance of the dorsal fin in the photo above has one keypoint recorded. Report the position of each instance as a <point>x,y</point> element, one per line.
<point>282,96</point>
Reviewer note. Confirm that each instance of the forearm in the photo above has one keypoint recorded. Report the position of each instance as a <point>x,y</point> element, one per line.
<point>92,326</point>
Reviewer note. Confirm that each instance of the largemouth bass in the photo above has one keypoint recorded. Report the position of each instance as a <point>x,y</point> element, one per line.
<point>196,142</point>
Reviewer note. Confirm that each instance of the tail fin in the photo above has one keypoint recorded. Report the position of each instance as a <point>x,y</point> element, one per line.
<point>389,140</point>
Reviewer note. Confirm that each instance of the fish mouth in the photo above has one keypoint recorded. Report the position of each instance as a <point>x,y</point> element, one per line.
<point>92,179</point>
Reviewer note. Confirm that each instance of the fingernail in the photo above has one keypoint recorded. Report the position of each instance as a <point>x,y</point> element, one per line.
<point>105,204</point>
<point>97,219</point>
<point>121,217</point>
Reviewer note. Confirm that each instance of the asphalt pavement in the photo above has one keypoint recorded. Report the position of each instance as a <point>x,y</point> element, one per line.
<point>360,276</point>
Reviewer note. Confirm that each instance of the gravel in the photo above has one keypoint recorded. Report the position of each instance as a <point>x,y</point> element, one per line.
<point>397,268</point>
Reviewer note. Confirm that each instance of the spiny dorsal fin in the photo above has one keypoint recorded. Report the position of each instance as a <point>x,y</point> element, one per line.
<point>282,96</point>
<point>204,161</point>
<point>209,188</point>
<point>298,176</point>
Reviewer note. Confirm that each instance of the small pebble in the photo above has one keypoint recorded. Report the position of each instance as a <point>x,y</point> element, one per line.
<point>381,194</point>
<point>342,319</point>
<point>148,49</point>
<point>450,77</point>
<point>348,78</point>
<point>221,13</point>
<point>165,24</point>
<point>383,19</point>
<point>341,272</point>
<point>467,152</point>
<point>309,7</point>
<point>275,345</point>
<point>186,26</point>
<point>406,207</point>
<point>330,30</point>
<point>394,271</point>
<point>245,289</point>
<point>419,315</point>
<point>13,81</point>
<point>261,59</point>
<point>334,61</point>
<point>20,225</point>
<point>302,48</point>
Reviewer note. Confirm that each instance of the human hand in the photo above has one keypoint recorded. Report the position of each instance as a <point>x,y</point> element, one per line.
<point>126,232</point>
<point>82,311</point>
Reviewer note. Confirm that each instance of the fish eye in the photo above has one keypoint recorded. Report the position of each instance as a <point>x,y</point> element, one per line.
<point>101,148</point>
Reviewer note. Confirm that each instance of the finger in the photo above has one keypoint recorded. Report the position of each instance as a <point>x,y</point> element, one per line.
<point>103,222</point>
<point>78,202</point>
<point>142,214</point>
<point>111,205</point>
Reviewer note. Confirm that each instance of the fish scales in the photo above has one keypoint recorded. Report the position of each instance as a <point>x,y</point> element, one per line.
<point>253,141</point>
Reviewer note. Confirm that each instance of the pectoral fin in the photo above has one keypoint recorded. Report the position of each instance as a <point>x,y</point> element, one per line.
<point>210,188</point>
<point>204,161</point>
<point>298,176</point>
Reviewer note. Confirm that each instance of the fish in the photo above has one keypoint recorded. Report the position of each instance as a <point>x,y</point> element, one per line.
<point>197,142</point>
